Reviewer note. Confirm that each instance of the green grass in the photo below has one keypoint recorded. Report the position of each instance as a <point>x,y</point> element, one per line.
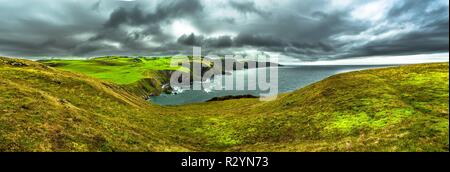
<point>118,70</point>
<point>393,109</point>
<point>142,76</point>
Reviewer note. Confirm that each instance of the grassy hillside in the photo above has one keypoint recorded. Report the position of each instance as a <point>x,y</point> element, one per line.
<point>393,109</point>
<point>44,109</point>
<point>142,76</point>
<point>118,70</point>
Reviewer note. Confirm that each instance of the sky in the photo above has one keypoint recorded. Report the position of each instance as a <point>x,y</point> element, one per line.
<point>296,30</point>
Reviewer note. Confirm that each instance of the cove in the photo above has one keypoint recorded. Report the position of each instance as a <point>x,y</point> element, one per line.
<point>290,78</point>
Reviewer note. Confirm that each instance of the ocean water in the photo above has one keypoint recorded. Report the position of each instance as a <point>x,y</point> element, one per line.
<point>289,78</point>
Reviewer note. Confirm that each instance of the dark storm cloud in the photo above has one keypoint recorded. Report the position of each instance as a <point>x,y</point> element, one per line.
<point>307,29</point>
<point>50,31</point>
<point>257,40</point>
<point>164,11</point>
<point>220,42</point>
<point>149,23</point>
<point>247,7</point>
<point>265,43</point>
<point>433,38</point>
<point>430,36</point>
<point>193,40</point>
<point>96,6</point>
<point>118,17</point>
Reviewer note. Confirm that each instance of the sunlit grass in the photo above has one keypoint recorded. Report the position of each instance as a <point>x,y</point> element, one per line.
<point>119,70</point>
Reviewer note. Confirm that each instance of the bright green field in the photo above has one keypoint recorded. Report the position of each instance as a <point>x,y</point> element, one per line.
<point>392,109</point>
<point>119,70</point>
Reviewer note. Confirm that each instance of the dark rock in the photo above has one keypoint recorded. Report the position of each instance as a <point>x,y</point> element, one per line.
<point>231,97</point>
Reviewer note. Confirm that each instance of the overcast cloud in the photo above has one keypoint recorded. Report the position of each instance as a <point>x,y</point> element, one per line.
<point>309,30</point>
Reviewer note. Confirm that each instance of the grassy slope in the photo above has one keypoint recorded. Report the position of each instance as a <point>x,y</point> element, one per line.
<point>141,76</point>
<point>394,109</point>
<point>118,70</point>
<point>44,109</point>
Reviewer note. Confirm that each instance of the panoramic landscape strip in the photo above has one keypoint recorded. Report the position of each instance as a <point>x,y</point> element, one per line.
<point>224,83</point>
<point>72,105</point>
